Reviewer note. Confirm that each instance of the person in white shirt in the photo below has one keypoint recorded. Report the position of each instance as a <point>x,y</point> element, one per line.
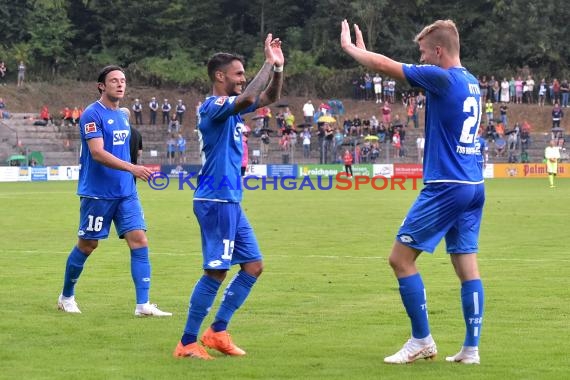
<point>308,112</point>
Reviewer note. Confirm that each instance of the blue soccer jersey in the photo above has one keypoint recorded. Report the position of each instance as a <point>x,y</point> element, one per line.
<point>453,115</point>
<point>221,148</point>
<point>97,180</point>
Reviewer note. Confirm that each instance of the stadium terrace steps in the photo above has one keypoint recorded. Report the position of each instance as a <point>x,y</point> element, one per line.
<point>60,144</point>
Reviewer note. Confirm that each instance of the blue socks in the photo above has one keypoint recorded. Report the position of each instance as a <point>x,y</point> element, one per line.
<point>73,269</point>
<point>472,303</point>
<point>201,301</point>
<point>234,296</point>
<point>413,296</point>
<point>140,271</point>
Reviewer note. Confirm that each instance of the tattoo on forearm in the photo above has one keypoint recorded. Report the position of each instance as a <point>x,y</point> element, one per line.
<point>258,83</point>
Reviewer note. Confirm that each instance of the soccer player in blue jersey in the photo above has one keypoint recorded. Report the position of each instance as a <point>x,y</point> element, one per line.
<point>227,236</point>
<point>108,193</point>
<point>451,203</point>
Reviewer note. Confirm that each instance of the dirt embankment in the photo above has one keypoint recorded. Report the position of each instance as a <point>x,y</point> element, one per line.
<point>33,96</point>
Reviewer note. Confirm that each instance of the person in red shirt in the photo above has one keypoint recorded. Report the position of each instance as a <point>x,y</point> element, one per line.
<point>347,158</point>
<point>44,114</point>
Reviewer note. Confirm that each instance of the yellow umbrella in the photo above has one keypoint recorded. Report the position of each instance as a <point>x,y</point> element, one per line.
<point>326,119</point>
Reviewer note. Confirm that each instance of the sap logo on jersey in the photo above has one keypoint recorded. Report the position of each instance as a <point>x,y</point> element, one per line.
<point>237,132</point>
<point>120,136</point>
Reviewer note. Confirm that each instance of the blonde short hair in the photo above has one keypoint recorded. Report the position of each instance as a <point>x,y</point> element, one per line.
<point>441,33</point>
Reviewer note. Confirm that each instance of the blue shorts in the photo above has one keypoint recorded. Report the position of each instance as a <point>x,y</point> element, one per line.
<point>96,216</point>
<point>227,236</point>
<point>449,210</point>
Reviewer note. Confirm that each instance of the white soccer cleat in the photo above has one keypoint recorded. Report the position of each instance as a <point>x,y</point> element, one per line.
<point>465,357</point>
<point>150,310</point>
<point>411,352</point>
<point>68,304</point>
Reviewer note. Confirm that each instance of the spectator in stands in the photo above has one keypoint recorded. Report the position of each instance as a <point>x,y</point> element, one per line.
<point>181,144</point>
<point>166,108</point>
<point>2,103</point>
<point>500,130</point>
<point>374,125</point>
<point>328,144</point>
<point>420,100</point>
<point>75,115</point>
<point>44,114</point>
<point>381,133</point>
<point>3,73</point>
<point>518,90</point>
<point>505,91</point>
<point>356,128</point>
<point>174,125</point>
<point>137,109</point>
<point>21,73</point>
<point>557,115</point>
<point>529,95</point>
<point>420,145</point>
<point>489,110</point>
<point>170,148</point>
<point>306,138</point>
<point>500,145</point>
<point>377,81</point>
<point>396,143</point>
<point>512,140</point>
<point>491,132</point>
<point>347,158</point>
<point>555,98</point>
<point>412,112</point>
<point>308,112</point>
<point>525,136</point>
<point>66,116</point>
<point>503,111</point>
<point>180,111</point>
<point>483,86</point>
<point>264,144</point>
<point>564,92</point>
<point>542,88</point>
<point>153,107</point>
<point>386,113</point>
<point>338,140</point>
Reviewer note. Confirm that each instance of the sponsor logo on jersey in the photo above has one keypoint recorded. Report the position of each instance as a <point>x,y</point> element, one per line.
<point>237,132</point>
<point>110,121</point>
<point>120,136</point>
<point>90,128</point>
<point>221,100</point>
<point>214,263</point>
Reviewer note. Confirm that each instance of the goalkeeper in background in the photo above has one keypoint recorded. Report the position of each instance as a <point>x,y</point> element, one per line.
<point>552,155</point>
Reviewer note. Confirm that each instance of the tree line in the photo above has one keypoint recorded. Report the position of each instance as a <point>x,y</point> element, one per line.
<point>167,42</point>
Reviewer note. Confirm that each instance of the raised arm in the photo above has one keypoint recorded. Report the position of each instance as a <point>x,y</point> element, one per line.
<point>373,61</point>
<point>272,71</point>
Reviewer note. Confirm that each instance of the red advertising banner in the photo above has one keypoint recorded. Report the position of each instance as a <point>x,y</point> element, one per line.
<point>408,170</point>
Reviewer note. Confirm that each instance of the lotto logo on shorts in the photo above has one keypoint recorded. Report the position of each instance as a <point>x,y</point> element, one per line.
<point>90,128</point>
<point>120,136</point>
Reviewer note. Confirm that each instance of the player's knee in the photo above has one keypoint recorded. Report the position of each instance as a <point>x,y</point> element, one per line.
<point>254,269</point>
<point>87,246</point>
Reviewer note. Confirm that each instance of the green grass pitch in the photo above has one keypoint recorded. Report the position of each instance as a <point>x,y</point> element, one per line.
<point>326,307</point>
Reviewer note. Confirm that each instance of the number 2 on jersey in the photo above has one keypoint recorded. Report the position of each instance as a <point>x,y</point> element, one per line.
<point>471,124</point>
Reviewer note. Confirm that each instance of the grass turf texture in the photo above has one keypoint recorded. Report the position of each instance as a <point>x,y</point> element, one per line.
<point>327,305</point>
